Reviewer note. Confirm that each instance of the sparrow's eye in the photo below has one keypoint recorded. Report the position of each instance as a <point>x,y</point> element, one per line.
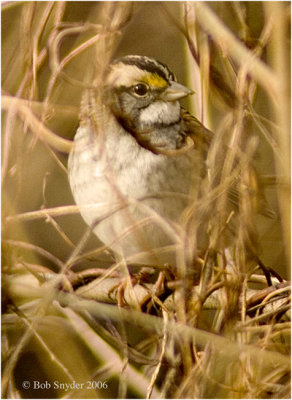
<point>141,89</point>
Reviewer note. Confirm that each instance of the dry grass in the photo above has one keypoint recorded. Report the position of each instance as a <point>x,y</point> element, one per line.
<point>225,334</point>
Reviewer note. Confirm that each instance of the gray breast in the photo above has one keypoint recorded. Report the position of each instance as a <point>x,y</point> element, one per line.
<point>136,196</point>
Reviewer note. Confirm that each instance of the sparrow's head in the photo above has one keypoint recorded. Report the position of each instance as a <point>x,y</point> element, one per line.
<point>143,95</point>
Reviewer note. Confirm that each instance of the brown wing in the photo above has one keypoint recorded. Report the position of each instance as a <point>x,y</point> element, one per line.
<point>200,135</point>
<point>202,139</point>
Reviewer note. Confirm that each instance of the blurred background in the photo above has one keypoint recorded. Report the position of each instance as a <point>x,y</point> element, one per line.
<point>40,37</point>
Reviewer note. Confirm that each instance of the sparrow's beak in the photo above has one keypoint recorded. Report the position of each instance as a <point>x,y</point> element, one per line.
<point>175,91</point>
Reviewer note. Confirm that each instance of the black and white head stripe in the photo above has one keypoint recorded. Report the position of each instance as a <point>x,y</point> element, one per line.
<point>147,64</point>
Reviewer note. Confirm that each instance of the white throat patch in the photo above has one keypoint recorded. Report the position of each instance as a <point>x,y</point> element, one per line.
<point>161,112</point>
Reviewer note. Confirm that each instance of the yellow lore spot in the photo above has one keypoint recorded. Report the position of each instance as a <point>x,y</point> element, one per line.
<point>154,80</point>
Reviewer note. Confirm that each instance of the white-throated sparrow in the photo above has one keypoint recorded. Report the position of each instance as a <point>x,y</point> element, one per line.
<point>131,163</point>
